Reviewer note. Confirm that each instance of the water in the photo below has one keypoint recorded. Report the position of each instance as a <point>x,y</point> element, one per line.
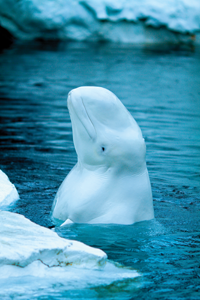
<point>161,89</point>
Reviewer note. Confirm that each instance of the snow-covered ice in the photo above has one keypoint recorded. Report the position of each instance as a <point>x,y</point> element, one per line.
<point>34,257</point>
<point>144,21</point>
<point>23,242</point>
<point>8,192</point>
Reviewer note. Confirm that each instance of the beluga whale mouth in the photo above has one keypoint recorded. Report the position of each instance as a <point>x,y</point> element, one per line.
<point>110,182</point>
<point>76,106</point>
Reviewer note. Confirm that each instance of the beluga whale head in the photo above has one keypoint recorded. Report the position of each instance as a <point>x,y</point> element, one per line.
<point>110,182</point>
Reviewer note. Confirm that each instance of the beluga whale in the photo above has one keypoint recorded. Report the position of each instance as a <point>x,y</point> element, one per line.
<point>110,182</point>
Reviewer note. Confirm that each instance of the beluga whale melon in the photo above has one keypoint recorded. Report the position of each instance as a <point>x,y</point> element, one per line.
<point>110,182</point>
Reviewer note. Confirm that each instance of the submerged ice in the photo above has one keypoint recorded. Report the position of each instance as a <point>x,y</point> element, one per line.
<point>119,21</point>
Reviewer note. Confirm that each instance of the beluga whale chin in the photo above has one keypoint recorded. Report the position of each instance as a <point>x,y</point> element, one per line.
<point>110,182</point>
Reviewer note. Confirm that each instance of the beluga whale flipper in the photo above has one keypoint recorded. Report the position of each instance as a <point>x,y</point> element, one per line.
<point>110,182</point>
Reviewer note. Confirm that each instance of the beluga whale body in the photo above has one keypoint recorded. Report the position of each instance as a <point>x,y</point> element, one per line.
<point>110,182</point>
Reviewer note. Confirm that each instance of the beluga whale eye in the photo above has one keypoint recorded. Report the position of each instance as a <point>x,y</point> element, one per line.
<point>103,149</point>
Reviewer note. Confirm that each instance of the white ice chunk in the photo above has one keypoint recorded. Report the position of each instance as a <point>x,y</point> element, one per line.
<point>23,242</point>
<point>8,192</point>
<point>34,258</point>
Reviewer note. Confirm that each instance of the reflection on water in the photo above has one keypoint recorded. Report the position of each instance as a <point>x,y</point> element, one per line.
<point>162,92</point>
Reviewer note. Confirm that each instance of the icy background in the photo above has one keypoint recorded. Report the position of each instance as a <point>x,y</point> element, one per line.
<point>145,21</point>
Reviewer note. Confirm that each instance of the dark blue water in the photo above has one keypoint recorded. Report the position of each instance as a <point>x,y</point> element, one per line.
<point>161,89</point>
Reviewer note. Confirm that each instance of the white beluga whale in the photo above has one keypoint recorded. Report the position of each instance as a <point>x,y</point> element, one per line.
<point>110,182</point>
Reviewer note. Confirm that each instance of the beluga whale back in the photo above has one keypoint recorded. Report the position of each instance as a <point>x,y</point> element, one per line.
<point>110,182</point>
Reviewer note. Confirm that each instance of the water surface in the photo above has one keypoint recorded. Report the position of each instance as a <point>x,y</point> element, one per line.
<point>161,89</point>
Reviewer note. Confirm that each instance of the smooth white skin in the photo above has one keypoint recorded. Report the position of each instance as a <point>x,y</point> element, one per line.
<point>110,182</point>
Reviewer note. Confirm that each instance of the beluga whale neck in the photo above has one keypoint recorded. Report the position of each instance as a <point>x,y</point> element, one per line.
<point>110,182</point>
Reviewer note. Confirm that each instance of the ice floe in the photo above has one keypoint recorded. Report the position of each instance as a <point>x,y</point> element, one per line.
<point>8,192</point>
<point>34,257</point>
<point>23,242</point>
